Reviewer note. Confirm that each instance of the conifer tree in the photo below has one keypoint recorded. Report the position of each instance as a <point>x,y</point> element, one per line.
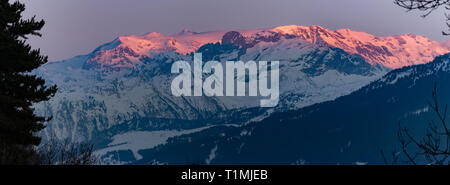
<point>19,89</point>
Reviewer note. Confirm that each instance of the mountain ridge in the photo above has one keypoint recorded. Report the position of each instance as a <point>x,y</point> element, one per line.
<point>352,129</point>
<point>391,51</point>
<point>124,89</point>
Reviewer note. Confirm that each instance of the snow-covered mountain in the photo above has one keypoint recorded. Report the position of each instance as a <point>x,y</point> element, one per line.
<point>123,87</point>
<point>392,52</point>
<point>352,129</point>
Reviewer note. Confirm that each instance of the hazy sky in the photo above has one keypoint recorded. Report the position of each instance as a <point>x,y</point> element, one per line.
<point>76,27</point>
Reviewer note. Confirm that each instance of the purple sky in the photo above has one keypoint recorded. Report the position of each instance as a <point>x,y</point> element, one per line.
<point>76,27</point>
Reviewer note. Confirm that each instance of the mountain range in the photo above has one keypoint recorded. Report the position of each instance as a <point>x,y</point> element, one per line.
<point>118,96</point>
<point>392,52</point>
<point>352,129</point>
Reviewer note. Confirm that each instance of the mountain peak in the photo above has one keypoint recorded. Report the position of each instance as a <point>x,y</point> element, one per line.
<point>392,51</point>
<point>153,34</point>
<point>233,38</point>
<point>184,32</point>
<point>317,27</point>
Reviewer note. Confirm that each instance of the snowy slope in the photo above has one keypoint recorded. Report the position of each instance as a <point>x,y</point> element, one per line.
<point>122,88</point>
<point>353,129</point>
<point>94,100</point>
<point>392,52</point>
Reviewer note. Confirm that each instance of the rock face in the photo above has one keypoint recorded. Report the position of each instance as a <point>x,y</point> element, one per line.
<point>124,86</point>
<point>234,38</point>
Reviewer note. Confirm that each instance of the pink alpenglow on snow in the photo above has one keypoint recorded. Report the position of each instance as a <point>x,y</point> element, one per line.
<point>392,51</point>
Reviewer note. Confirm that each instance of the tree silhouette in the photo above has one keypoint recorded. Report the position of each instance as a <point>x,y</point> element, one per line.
<point>64,152</point>
<point>433,148</point>
<point>18,88</point>
<point>427,6</point>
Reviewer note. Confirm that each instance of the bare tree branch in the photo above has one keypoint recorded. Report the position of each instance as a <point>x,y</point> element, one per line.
<point>434,147</point>
<point>57,152</point>
<point>427,6</point>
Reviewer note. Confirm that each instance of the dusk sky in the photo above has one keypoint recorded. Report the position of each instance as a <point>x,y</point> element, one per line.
<point>77,27</point>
